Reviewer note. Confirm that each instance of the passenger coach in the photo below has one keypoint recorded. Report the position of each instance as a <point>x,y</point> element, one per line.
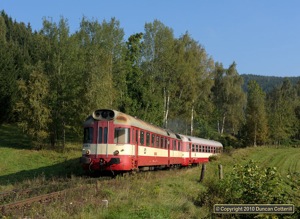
<point>115,141</point>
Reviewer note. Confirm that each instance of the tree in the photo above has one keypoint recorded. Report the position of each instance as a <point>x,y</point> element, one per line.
<point>7,75</point>
<point>33,107</point>
<point>193,69</point>
<point>281,105</point>
<point>256,127</point>
<point>14,58</point>
<point>297,111</point>
<point>102,50</point>
<point>65,80</point>
<point>229,98</point>
<point>133,80</point>
<point>158,68</point>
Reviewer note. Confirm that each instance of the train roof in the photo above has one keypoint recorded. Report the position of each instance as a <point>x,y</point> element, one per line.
<point>201,141</point>
<point>125,119</point>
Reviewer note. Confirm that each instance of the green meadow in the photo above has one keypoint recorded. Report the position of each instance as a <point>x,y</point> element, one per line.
<point>157,194</point>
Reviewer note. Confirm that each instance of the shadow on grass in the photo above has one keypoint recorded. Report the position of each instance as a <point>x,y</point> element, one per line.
<point>61,170</point>
<point>11,136</point>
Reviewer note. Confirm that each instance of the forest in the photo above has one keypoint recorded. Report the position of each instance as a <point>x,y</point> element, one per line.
<point>52,79</point>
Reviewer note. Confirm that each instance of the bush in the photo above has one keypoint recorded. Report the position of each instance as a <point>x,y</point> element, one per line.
<point>253,184</point>
<point>249,184</point>
<point>213,158</point>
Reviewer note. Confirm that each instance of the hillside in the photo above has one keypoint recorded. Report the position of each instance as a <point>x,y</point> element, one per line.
<point>267,83</point>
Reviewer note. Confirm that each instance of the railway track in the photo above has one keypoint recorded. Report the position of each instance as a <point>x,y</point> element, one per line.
<point>18,201</point>
<point>21,200</point>
<point>25,203</point>
<point>17,194</point>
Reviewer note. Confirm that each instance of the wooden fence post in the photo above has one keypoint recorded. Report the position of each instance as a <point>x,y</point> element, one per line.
<point>220,171</point>
<point>202,172</point>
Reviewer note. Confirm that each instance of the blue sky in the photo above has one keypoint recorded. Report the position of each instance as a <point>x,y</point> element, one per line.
<point>261,36</point>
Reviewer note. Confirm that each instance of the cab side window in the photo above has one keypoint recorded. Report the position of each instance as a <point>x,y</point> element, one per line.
<point>122,136</point>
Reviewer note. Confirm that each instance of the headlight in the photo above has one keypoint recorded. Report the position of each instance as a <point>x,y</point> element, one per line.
<point>87,152</point>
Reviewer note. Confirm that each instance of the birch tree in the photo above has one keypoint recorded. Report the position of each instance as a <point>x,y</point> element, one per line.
<point>229,98</point>
<point>256,127</point>
<point>158,67</point>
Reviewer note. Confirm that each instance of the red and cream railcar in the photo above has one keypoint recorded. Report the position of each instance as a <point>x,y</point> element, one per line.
<point>115,141</point>
<point>198,150</point>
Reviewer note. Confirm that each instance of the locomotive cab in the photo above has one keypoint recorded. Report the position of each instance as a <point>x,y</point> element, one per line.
<point>105,143</point>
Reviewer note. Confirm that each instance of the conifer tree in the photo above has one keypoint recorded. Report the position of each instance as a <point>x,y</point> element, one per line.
<point>134,85</point>
<point>281,105</point>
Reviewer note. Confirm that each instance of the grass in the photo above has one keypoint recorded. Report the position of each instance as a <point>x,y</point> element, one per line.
<point>19,162</point>
<point>158,194</point>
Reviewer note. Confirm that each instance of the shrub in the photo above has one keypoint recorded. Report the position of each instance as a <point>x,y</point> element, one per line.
<point>213,158</point>
<point>249,184</point>
<point>253,184</point>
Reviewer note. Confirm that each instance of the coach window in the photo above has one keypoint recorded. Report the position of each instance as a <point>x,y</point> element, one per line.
<point>142,137</point>
<point>197,148</point>
<point>157,141</point>
<point>148,139</point>
<point>153,140</point>
<point>122,135</point>
<point>174,144</point>
<point>179,146</point>
<point>166,143</point>
<point>161,142</point>
<point>88,135</point>
<point>193,147</point>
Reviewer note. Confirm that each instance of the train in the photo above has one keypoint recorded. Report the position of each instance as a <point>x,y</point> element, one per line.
<point>116,142</point>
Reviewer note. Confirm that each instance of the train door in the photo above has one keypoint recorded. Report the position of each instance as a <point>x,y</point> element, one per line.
<point>104,136</point>
<point>135,142</point>
<point>169,148</point>
<point>190,152</point>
